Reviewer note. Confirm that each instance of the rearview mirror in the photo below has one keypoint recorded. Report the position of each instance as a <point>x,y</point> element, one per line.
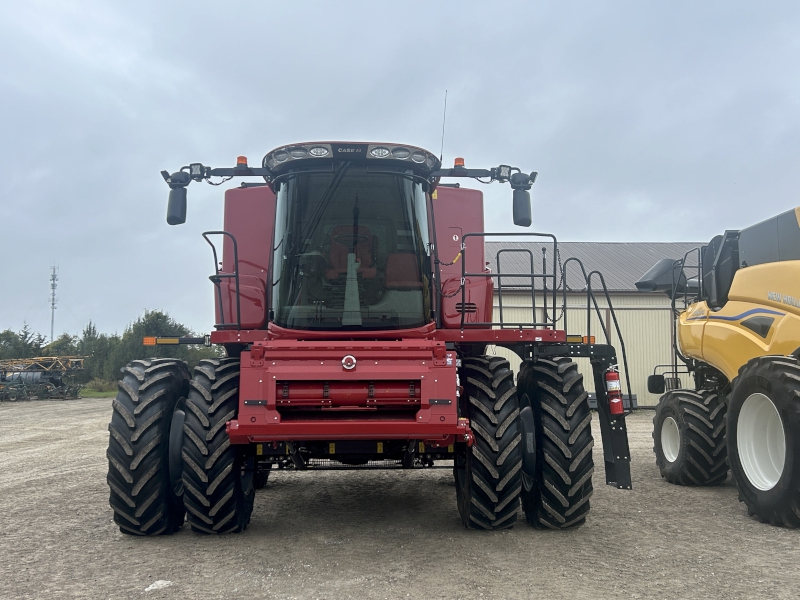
<point>176,208</point>
<point>522,208</point>
<point>656,384</point>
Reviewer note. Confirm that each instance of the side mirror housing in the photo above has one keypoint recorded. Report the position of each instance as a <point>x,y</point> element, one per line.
<point>522,208</point>
<point>656,384</point>
<point>176,208</point>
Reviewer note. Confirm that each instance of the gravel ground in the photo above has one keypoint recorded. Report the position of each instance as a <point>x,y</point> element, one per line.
<point>389,534</point>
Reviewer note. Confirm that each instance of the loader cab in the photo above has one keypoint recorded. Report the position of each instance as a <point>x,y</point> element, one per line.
<point>352,243</point>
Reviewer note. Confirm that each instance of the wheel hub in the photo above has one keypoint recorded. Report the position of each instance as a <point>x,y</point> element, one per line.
<point>761,442</point>
<point>670,439</point>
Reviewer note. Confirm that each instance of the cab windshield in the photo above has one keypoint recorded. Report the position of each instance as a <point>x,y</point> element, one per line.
<point>351,250</point>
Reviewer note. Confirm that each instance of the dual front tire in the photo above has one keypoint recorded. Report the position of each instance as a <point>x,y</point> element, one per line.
<point>533,445</point>
<point>169,454</point>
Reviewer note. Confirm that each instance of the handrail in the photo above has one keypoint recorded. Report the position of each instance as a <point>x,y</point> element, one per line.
<point>591,299</point>
<point>616,324</point>
<point>217,278</point>
<point>500,281</point>
<point>533,276</point>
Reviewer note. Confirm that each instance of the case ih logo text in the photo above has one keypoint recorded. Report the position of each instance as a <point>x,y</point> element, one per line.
<point>352,150</point>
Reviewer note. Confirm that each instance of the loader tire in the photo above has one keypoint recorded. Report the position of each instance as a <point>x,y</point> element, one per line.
<point>488,473</point>
<point>144,496</point>
<point>217,476</point>
<point>556,495</point>
<point>763,437</point>
<point>689,437</point>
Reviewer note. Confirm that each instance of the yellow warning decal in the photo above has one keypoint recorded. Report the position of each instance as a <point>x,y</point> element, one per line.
<point>380,447</point>
<point>434,195</point>
<point>331,448</point>
<point>422,447</point>
<point>451,448</point>
<point>259,449</point>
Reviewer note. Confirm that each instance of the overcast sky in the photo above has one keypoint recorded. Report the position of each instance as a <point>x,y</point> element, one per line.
<point>647,121</point>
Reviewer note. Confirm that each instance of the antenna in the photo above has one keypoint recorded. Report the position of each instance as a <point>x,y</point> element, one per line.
<point>53,285</point>
<point>444,120</point>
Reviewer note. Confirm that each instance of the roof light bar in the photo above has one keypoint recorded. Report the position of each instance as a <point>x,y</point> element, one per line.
<point>280,158</point>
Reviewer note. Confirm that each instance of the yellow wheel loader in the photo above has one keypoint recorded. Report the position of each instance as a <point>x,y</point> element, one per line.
<point>736,303</point>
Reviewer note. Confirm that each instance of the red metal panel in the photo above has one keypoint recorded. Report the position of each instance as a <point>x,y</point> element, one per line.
<point>253,301</point>
<point>244,432</point>
<point>416,362</point>
<point>459,211</point>
<point>327,394</point>
<point>476,300</point>
<point>250,217</point>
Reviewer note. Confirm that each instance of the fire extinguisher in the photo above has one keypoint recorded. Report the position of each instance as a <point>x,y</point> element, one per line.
<point>614,391</point>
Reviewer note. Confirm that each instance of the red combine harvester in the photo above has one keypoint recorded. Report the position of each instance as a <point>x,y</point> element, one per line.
<point>355,307</point>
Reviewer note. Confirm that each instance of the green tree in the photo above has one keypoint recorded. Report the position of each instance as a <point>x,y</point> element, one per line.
<point>23,344</point>
<point>95,347</point>
<point>129,347</point>
<point>64,345</point>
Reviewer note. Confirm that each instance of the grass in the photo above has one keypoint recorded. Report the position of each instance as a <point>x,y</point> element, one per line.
<point>98,388</point>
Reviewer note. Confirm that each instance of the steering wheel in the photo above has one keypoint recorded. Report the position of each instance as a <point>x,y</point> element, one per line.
<point>351,239</point>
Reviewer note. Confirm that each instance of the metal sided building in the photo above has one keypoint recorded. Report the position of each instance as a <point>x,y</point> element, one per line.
<point>644,319</point>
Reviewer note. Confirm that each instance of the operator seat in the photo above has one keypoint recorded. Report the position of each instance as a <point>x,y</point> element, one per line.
<point>365,250</point>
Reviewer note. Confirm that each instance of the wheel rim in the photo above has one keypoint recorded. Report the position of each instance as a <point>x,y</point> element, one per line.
<point>670,439</point>
<point>761,442</point>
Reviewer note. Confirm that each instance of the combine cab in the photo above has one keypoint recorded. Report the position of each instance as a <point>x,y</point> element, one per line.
<point>736,303</point>
<point>354,304</point>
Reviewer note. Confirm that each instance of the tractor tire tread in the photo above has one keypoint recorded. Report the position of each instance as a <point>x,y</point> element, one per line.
<point>559,496</point>
<point>141,495</point>
<point>216,500</point>
<point>700,417</point>
<point>490,499</point>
